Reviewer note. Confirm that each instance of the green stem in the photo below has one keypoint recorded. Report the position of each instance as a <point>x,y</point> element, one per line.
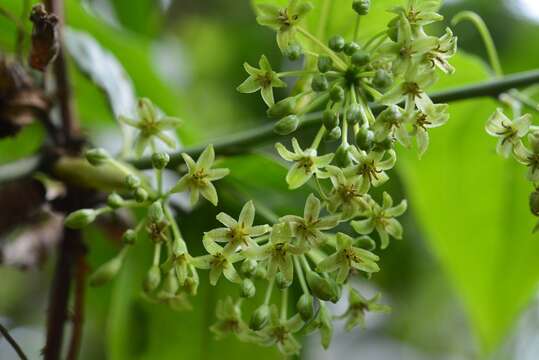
<point>319,136</point>
<point>269,290</point>
<point>284,304</point>
<point>374,38</point>
<point>356,29</point>
<point>338,61</point>
<point>296,73</point>
<point>482,28</point>
<point>301,278</point>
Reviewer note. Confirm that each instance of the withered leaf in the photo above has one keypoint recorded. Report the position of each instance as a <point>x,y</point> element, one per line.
<point>45,43</point>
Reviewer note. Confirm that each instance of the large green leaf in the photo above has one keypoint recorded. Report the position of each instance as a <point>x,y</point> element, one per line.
<point>473,208</point>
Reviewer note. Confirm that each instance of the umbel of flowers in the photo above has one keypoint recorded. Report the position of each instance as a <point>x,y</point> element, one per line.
<point>344,79</point>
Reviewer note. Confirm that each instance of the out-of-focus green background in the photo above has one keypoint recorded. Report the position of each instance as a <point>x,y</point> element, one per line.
<point>462,283</point>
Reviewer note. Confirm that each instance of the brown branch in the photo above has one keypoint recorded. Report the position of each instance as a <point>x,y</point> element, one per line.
<point>78,314</point>
<point>12,342</point>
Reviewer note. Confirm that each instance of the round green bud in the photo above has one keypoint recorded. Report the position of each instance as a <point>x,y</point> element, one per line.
<point>305,307</point>
<point>155,212</point>
<point>106,272</point>
<point>282,108</point>
<point>382,80</point>
<point>350,48</point>
<point>361,7</point>
<point>336,43</point>
<point>132,181</point>
<point>171,285</point>
<point>293,52</point>
<point>115,201</point>
<point>80,218</point>
<point>248,267</point>
<point>281,281</point>
<point>141,195</point>
<point>342,156</point>
<point>260,272</point>
<point>336,94</point>
<point>153,279</point>
<point>191,285</point>
<point>160,160</point>
<point>322,288</point>
<point>330,119</point>
<point>334,134</point>
<point>383,145</point>
<point>325,63</point>
<point>129,236</point>
<point>319,83</point>
<point>248,289</point>
<point>286,125</point>
<point>534,203</point>
<point>361,58</point>
<point>353,115</point>
<point>390,115</point>
<point>97,156</point>
<point>364,139</point>
<point>260,318</point>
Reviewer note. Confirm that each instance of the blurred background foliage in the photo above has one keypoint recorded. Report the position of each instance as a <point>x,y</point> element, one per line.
<point>462,284</point>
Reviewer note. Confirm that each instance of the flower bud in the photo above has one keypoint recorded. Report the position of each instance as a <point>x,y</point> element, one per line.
<point>350,48</point>
<point>132,181</point>
<point>382,80</point>
<point>336,43</point>
<point>319,83</point>
<point>364,139</point>
<point>281,281</point>
<point>107,271</point>
<point>322,288</point>
<point>97,157</point>
<point>361,7</point>
<point>361,58</point>
<point>248,289</point>
<point>155,212</point>
<point>160,160</point>
<point>330,119</point>
<point>282,108</point>
<point>191,285</point>
<point>336,94</point>
<point>353,115</point>
<point>342,156</point>
<point>153,279</point>
<point>129,236</point>
<point>324,63</point>
<point>80,218</point>
<point>293,52</point>
<point>534,203</point>
<point>334,134</point>
<point>140,195</point>
<point>171,285</point>
<point>115,201</point>
<point>260,317</point>
<point>286,125</point>
<point>305,307</point>
<point>260,272</point>
<point>248,267</point>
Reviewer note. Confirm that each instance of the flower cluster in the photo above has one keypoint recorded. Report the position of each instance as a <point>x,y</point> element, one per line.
<point>370,95</point>
<point>517,137</point>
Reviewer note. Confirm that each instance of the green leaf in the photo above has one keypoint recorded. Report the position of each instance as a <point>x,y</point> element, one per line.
<point>473,207</point>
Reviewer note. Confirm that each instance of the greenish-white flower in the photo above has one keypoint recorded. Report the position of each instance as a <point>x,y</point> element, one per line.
<point>229,319</point>
<point>509,132</point>
<point>151,126</point>
<point>218,262</point>
<point>323,322</point>
<point>237,233</point>
<point>439,55</point>
<point>348,257</point>
<point>358,306</point>
<point>308,229</point>
<point>411,87</point>
<point>348,194</point>
<point>382,219</point>
<point>263,79</point>
<point>199,177</point>
<point>283,20</point>
<point>428,116</point>
<point>420,12</point>
<point>280,332</point>
<point>391,123</point>
<point>278,252</point>
<point>529,157</point>
<point>372,166</point>
<point>306,163</point>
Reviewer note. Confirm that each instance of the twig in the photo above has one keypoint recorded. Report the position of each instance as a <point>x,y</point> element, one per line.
<point>78,314</point>
<point>244,141</point>
<point>12,342</point>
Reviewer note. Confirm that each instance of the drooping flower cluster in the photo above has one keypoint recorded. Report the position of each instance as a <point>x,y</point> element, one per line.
<point>371,95</point>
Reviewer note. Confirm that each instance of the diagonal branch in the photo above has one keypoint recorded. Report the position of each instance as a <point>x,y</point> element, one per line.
<point>247,140</point>
<point>12,342</point>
